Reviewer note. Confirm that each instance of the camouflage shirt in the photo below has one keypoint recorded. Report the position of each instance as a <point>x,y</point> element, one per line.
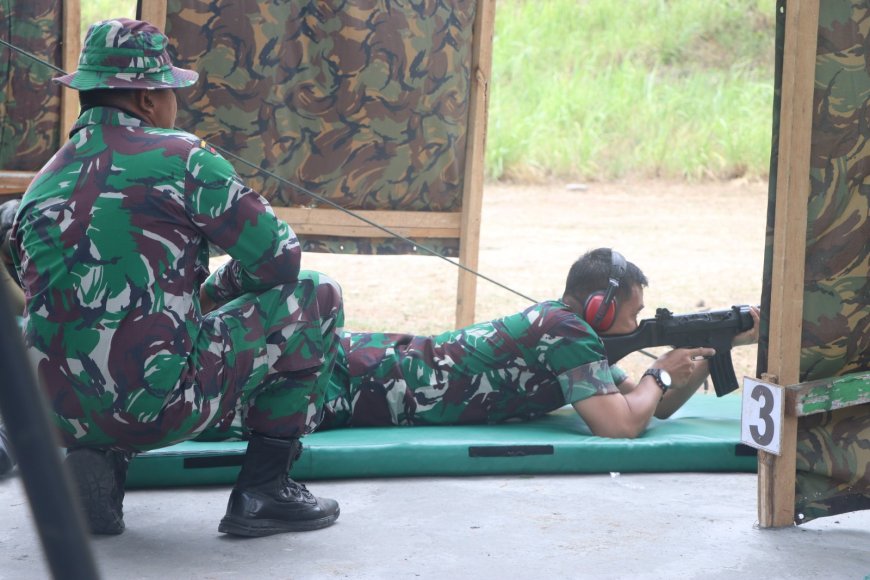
<point>112,248</point>
<point>519,366</point>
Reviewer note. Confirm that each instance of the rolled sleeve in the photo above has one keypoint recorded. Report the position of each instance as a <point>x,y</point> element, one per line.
<point>572,351</point>
<point>595,378</point>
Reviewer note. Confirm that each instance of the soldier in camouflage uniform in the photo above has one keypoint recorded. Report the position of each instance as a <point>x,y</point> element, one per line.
<point>520,366</point>
<point>135,344</point>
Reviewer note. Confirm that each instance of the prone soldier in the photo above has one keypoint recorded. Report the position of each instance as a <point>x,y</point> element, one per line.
<point>524,365</point>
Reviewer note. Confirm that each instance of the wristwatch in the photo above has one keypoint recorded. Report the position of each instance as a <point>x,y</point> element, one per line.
<point>662,377</point>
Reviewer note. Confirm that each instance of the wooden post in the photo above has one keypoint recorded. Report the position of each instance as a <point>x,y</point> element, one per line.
<point>153,11</point>
<point>472,194</point>
<point>71,47</point>
<point>826,395</point>
<point>776,475</point>
<point>14,182</point>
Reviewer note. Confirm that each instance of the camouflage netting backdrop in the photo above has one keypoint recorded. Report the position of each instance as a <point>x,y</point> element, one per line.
<point>833,457</point>
<point>29,101</point>
<point>363,102</point>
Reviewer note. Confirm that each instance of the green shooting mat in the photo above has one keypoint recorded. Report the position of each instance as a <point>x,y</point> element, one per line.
<point>702,436</point>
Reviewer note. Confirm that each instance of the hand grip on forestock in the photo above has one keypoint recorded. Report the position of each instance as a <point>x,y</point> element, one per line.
<point>722,373</point>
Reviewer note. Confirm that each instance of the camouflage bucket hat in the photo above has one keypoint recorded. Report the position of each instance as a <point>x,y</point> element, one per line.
<point>126,54</point>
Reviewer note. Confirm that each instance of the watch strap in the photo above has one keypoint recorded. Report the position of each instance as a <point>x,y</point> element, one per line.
<point>656,374</point>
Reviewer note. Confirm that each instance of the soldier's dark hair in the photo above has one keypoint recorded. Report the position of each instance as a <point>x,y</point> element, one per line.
<point>591,273</point>
<point>104,97</point>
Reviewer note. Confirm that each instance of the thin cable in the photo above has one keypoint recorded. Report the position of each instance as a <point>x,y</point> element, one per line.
<point>32,56</point>
<point>397,235</point>
<point>320,198</point>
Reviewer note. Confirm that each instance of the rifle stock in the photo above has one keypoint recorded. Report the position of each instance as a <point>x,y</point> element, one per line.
<point>714,329</point>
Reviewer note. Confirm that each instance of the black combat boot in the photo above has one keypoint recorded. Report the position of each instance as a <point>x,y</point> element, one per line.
<point>266,501</point>
<point>99,476</point>
<point>7,460</point>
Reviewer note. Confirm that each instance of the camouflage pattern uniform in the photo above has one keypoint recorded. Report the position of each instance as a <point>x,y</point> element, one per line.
<point>112,248</point>
<point>517,367</point>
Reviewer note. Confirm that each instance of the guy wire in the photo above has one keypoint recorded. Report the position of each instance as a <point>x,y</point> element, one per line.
<point>32,56</point>
<point>307,192</point>
<point>320,198</point>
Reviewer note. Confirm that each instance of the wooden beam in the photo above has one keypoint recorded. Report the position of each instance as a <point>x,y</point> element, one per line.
<point>153,11</point>
<point>333,222</point>
<point>71,47</point>
<point>15,182</point>
<point>830,394</point>
<point>776,475</point>
<point>475,148</point>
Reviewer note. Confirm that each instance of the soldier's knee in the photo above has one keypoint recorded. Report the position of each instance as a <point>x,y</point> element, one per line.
<point>332,289</point>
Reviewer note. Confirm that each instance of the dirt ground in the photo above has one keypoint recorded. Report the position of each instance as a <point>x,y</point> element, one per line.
<point>700,245</point>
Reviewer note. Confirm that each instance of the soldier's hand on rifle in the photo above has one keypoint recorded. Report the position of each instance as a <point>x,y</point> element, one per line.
<point>751,335</point>
<point>681,363</point>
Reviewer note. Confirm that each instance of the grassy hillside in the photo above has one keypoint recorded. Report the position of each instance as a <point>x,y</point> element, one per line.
<point>600,90</point>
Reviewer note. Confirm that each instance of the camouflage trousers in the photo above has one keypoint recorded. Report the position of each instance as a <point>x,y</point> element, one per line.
<point>384,379</point>
<point>261,362</point>
<point>280,347</point>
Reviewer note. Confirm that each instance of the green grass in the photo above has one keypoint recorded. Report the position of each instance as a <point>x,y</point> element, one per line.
<point>601,90</point>
<point>96,10</point>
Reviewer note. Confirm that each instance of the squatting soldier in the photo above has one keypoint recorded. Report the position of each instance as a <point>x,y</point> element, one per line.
<point>136,345</point>
<point>521,366</point>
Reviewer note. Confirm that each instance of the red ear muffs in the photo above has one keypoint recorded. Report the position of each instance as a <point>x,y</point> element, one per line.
<point>592,311</point>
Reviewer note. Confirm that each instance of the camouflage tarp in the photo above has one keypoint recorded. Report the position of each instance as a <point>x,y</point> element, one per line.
<point>29,101</point>
<point>835,477</point>
<point>836,328</point>
<point>362,102</point>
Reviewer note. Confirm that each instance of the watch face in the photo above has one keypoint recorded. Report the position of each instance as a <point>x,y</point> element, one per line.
<point>665,378</point>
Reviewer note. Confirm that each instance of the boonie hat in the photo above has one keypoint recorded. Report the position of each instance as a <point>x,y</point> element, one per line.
<point>126,54</point>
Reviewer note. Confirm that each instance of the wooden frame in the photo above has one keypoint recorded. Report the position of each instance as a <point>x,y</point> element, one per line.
<point>464,225</point>
<point>776,475</point>
<point>14,183</point>
<point>72,46</point>
<point>472,194</point>
<point>828,394</point>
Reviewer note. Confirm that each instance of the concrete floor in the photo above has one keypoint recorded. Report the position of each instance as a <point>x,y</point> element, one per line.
<point>586,526</point>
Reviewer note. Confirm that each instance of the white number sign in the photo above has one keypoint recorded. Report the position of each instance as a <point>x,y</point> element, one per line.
<point>761,419</point>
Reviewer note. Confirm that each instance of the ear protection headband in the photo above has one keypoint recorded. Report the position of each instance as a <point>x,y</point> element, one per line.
<point>600,307</point>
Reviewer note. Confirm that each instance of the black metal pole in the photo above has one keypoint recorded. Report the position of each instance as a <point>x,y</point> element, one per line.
<point>50,492</point>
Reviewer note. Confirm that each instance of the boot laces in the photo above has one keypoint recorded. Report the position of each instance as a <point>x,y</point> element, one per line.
<point>292,489</point>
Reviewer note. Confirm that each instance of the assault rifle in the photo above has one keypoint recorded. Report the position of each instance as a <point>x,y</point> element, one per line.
<point>713,329</point>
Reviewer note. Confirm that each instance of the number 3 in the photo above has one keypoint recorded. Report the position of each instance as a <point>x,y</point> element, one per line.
<point>764,415</point>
